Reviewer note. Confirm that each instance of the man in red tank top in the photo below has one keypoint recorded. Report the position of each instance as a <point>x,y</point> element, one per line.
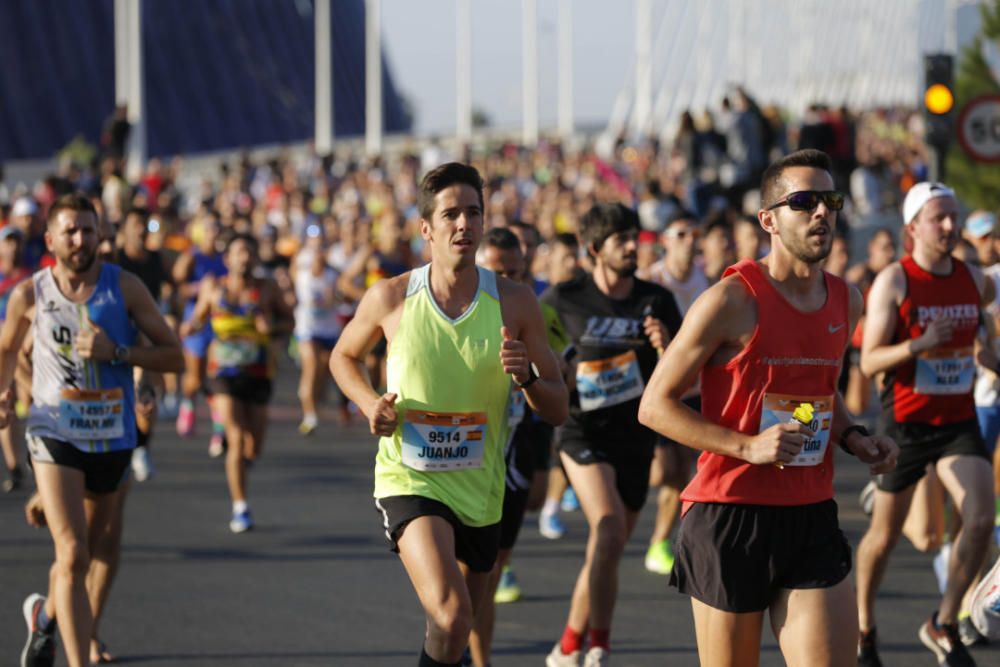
<point>760,529</point>
<point>920,330</point>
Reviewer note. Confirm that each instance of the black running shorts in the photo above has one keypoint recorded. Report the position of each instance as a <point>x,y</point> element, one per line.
<point>515,502</point>
<point>255,390</point>
<point>920,444</point>
<point>476,547</point>
<point>630,461</point>
<point>103,472</point>
<point>738,558</point>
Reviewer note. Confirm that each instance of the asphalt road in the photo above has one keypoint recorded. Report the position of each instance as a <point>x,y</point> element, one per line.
<point>314,583</point>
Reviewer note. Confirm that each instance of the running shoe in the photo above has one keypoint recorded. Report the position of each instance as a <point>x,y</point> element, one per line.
<point>867,498</point>
<point>867,650</point>
<point>559,659</point>
<point>550,525</point>
<point>946,643</point>
<point>569,502</point>
<point>169,407</point>
<point>15,476</point>
<point>941,566</point>
<point>308,425</point>
<point>969,634</point>
<point>40,649</point>
<point>217,445</point>
<point>660,558</point>
<point>508,590</point>
<point>597,657</point>
<point>142,464</point>
<point>241,522</point>
<point>185,419</point>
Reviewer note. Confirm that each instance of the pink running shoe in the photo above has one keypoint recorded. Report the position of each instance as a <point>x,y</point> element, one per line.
<point>185,420</point>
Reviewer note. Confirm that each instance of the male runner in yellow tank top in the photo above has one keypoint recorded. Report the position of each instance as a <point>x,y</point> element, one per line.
<point>457,335</point>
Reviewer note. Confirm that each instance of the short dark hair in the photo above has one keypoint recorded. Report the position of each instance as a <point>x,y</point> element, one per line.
<point>439,178</point>
<point>501,238</point>
<point>567,239</point>
<point>604,220</point>
<point>140,211</point>
<point>520,224</point>
<point>75,201</point>
<point>770,188</point>
<point>249,239</point>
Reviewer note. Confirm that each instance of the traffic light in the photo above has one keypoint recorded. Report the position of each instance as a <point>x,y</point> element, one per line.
<point>939,99</point>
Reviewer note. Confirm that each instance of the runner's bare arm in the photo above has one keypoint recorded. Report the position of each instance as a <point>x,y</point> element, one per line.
<point>719,322</point>
<point>877,451</point>
<point>548,395</point>
<point>878,353</point>
<point>282,316</point>
<point>12,336</point>
<point>181,273</point>
<point>362,333</point>
<point>202,307</point>
<point>163,353</point>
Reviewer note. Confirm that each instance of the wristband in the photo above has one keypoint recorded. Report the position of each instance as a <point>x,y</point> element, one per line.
<point>532,376</point>
<point>854,428</point>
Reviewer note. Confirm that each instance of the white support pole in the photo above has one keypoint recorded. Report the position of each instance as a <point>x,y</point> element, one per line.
<point>643,66</point>
<point>463,72</point>
<point>529,72</point>
<point>121,51</point>
<point>566,124</point>
<point>136,99</point>
<point>324,78</point>
<point>373,77</point>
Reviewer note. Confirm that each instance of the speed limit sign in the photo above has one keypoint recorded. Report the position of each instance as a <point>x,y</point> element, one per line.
<point>979,128</point>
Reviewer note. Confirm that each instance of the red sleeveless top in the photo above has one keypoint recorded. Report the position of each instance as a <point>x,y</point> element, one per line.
<point>792,358</point>
<point>936,386</point>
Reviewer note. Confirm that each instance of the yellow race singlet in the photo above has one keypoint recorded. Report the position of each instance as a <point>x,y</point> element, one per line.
<point>452,398</point>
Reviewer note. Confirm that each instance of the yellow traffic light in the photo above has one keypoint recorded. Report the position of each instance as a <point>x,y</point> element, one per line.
<point>938,99</point>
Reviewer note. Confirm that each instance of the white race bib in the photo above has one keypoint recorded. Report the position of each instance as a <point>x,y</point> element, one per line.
<point>778,409</point>
<point>436,441</point>
<point>605,382</point>
<point>91,414</point>
<point>235,353</point>
<point>945,372</point>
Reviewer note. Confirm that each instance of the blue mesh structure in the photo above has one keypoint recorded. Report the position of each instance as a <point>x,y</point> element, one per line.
<point>220,74</point>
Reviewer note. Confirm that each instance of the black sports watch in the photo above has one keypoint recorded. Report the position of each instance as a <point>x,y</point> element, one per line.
<point>121,355</point>
<point>532,376</point>
<point>854,428</point>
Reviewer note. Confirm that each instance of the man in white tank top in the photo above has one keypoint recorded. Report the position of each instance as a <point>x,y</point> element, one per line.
<point>81,430</point>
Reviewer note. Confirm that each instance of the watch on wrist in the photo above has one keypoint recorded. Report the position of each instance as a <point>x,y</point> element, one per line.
<point>532,376</point>
<point>854,428</point>
<point>121,355</point>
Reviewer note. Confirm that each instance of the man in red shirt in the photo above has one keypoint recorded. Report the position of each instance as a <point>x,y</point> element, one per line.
<point>920,330</point>
<point>760,529</point>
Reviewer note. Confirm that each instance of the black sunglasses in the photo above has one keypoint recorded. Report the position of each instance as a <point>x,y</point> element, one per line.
<point>808,200</point>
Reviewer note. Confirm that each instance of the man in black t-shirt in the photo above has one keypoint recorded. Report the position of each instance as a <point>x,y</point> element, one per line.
<point>618,325</point>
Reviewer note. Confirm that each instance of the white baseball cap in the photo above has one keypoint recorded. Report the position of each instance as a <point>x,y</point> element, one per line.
<point>920,194</point>
<point>24,206</point>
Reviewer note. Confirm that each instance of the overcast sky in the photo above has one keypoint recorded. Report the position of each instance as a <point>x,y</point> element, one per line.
<point>419,41</point>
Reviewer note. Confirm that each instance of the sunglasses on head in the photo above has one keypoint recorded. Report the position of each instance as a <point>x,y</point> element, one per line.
<point>808,200</point>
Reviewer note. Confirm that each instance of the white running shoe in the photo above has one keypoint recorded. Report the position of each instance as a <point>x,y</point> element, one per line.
<point>142,464</point>
<point>241,522</point>
<point>559,659</point>
<point>216,446</point>
<point>550,525</point>
<point>597,657</point>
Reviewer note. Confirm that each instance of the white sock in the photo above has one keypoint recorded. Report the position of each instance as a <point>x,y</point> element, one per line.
<point>240,506</point>
<point>551,506</point>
